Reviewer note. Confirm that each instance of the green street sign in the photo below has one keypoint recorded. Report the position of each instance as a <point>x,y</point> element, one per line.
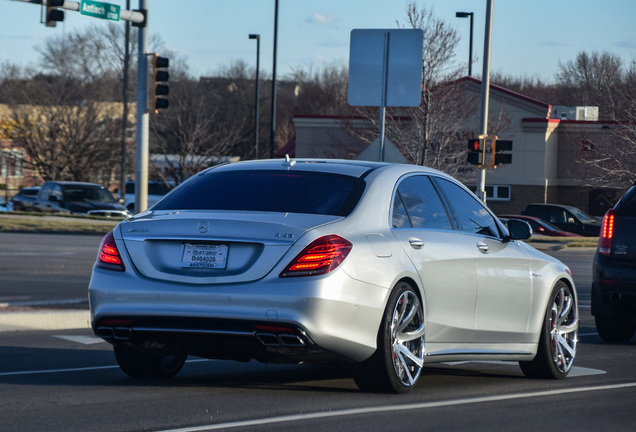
<point>100,10</point>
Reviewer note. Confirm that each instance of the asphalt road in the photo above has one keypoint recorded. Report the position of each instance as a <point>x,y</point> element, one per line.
<point>68,380</point>
<point>46,267</point>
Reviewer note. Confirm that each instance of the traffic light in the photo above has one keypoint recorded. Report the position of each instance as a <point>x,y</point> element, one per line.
<point>160,78</point>
<point>497,156</point>
<point>53,14</point>
<point>475,151</point>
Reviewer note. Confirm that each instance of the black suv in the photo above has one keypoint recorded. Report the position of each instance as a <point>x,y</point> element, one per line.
<point>614,272</point>
<point>567,218</point>
<point>77,197</point>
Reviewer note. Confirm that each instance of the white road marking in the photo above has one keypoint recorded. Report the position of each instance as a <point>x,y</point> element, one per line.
<point>393,408</point>
<point>576,371</point>
<point>48,371</point>
<point>83,369</point>
<point>84,340</point>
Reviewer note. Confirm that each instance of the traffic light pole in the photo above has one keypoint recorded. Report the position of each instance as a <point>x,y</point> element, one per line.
<point>143,117</point>
<point>485,94</point>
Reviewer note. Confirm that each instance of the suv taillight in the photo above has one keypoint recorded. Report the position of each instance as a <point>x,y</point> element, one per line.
<point>108,257</point>
<point>319,257</point>
<point>607,232</point>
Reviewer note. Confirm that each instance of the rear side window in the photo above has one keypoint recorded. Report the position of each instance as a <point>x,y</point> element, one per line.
<point>268,190</point>
<point>417,204</point>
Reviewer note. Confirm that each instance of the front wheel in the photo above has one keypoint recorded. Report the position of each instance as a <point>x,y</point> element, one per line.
<point>397,363</point>
<point>141,365</point>
<point>559,336</point>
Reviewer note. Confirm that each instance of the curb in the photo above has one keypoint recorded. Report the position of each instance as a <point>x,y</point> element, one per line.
<point>43,319</point>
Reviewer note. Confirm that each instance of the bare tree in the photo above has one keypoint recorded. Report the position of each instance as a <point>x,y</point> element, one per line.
<point>596,79</point>
<point>65,136</point>
<point>206,120</point>
<point>606,158</point>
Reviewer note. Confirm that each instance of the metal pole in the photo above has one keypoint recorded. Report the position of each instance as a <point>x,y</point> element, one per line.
<point>385,79</point>
<point>470,48</point>
<point>273,125</point>
<point>258,56</point>
<point>124,126</point>
<point>485,94</point>
<point>141,166</point>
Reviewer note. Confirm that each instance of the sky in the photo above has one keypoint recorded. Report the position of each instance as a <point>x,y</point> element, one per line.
<point>529,37</point>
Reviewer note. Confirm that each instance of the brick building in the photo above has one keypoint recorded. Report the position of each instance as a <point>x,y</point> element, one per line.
<point>545,149</point>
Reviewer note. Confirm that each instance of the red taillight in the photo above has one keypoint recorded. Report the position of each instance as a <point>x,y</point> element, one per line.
<point>109,257</point>
<point>319,257</point>
<point>607,232</point>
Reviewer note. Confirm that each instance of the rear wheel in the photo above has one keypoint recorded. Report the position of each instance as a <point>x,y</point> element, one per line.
<point>559,336</point>
<point>141,365</point>
<point>614,329</point>
<point>397,363</point>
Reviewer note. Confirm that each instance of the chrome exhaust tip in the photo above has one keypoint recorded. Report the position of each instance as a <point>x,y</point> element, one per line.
<point>122,333</point>
<point>291,340</point>
<point>268,339</point>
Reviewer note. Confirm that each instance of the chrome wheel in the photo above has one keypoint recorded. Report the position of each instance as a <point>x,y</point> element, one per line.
<point>564,324</point>
<point>397,363</point>
<point>557,346</point>
<point>407,338</point>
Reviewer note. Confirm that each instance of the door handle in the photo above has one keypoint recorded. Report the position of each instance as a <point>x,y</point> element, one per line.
<point>483,247</point>
<point>416,243</point>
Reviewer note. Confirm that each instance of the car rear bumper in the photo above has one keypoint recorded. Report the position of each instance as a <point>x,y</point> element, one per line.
<point>298,319</point>
<point>614,292</point>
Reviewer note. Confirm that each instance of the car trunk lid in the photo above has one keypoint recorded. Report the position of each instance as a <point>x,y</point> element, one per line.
<point>213,246</point>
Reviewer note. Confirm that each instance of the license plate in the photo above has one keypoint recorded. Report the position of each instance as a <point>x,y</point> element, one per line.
<point>204,256</point>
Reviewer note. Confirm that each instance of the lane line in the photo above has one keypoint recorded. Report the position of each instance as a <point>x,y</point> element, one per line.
<point>393,408</point>
<point>82,369</point>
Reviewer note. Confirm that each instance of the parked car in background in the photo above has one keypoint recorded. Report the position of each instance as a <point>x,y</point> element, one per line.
<point>5,206</point>
<point>541,227</point>
<point>78,198</point>
<point>23,200</point>
<point>328,261</point>
<point>156,191</point>
<point>567,218</point>
<point>614,272</point>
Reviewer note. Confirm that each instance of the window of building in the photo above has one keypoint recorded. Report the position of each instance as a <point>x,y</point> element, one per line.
<point>11,163</point>
<point>498,193</point>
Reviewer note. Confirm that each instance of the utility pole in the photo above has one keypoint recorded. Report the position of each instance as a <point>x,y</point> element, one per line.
<point>143,122</point>
<point>124,126</point>
<point>485,94</point>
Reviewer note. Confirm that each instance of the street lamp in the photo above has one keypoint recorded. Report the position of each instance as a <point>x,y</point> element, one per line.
<point>258,56</point>
<point>470,52</point>
<point>273,125</point>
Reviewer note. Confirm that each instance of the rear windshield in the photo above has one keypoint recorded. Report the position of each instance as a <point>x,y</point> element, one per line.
<point>267,190</point>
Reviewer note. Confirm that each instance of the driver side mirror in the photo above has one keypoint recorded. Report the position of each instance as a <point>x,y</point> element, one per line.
<point>518,230</point>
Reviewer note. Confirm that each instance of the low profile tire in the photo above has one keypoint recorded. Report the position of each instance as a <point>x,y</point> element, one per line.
<point>559,336</point>
<point>397,363</point>
<point>614,329</point>
<point>140,365</point>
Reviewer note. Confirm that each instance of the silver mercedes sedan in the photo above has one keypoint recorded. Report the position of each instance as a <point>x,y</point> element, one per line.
<point>384,266</point>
